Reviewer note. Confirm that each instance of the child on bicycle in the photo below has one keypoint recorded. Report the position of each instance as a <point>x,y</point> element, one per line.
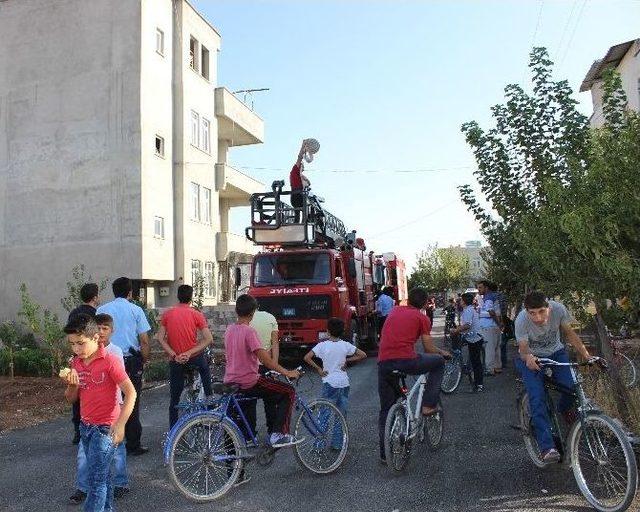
<point>94,379</point>
<point>469,331</point>
<point>244,352</point>
<point>335,354</point>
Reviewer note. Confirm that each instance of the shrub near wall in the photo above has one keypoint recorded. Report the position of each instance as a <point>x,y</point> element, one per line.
<point>28,362</point>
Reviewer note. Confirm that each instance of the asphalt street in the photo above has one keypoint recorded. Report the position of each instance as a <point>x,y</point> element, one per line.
<point>481,464</point>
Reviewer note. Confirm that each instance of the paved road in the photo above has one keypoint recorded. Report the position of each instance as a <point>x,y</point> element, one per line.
<point>481,465</point>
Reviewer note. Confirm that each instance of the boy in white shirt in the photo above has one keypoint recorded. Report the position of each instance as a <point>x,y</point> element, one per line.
<point>335,353</point>
<point>470,329</point>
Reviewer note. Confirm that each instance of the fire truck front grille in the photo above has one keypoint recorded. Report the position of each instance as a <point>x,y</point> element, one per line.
<point>297,307</point>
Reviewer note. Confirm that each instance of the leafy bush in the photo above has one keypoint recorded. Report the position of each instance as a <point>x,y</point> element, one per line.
<point>28,362</point>
<point>156,370</point>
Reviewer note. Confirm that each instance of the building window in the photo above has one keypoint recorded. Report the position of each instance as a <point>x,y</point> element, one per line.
<point>205,139</point>
<point>194,54</point>
<point>205,62</point>
<point>195,128</point>
<point>196,271</point>
<point>208,279</point>
<point>158,227</point>
<point>195,202</point>
<point>160,41</point>
<point>159,146</point>
<point>206,205</point>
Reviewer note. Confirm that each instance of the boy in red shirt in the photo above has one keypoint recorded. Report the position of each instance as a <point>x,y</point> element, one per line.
<point>178,335</point>
<point>405,325</point>
<point>244,352</point>
<point>94,377</point>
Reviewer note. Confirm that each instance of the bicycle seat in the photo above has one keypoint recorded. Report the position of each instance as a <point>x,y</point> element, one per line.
<point>398,373</point>
<point>221,388</point>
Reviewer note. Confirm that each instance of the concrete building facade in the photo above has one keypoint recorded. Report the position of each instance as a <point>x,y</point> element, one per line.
<point>625,58</point>
<point>114,141</point>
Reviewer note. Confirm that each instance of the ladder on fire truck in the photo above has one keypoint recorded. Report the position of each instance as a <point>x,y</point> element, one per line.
<point>277,223</point>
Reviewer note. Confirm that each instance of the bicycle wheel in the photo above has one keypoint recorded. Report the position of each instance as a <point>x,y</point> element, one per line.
<point>206,458</point>
<point>627,370</point>
<point>528,434</point>
<point>434,428</point>
<point>397,446</point>
<point>603,463</point>
<point>452,375</point>
<point>326,437</point>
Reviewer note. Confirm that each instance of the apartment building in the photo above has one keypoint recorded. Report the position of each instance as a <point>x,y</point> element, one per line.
<point>114,139</point>
<point>625,58</point>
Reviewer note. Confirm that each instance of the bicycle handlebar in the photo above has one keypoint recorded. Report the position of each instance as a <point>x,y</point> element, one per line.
<point>273,373</point>
<point>544,361</point>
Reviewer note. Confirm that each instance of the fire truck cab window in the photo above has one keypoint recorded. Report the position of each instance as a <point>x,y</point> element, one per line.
<point>303,268</point>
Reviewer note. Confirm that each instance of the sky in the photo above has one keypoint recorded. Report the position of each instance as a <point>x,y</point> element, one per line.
<point>384,85</point>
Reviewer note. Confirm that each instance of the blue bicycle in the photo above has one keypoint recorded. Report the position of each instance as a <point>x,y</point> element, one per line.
<point>206,452</point>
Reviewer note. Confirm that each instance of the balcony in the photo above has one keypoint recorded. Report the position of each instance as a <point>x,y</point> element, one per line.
<point>230,242</point>
<point>234,185</point>
<point>237,123</point>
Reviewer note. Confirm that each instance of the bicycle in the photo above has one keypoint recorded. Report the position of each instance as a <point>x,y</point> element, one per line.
<point>405,422</point>
<point>454,369</point>
<point>596,447</point>
<point>206,452</point>
<point>193,389</point>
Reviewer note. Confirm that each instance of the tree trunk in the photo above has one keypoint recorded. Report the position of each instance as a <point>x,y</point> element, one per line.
<point>11,363</point>
<point>603,345</point>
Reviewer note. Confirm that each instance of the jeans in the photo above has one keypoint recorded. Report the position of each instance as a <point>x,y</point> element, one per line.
<point>432,364</point>
<point>176,382</point>
<point>534,384</point>
<point>339,397</point>
<point>279,399</point>
<point>120,478</point>
<point>99,451</point>
<point>133,429</point>
<point>475,357</point>
<point>491,336</point>
<point>503,349</point>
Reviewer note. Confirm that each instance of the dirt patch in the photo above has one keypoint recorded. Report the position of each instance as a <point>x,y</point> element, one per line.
<point>27,401</point>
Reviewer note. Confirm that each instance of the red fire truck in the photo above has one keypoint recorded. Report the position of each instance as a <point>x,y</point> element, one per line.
<point>312,269</point>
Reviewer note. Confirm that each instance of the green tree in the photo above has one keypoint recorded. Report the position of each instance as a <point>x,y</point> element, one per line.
<point>9,335</point>
<point>440,269</point>
<point>538,145</point>
<point>79,278</point>
<point>198,291</point>
<point>45,325</point>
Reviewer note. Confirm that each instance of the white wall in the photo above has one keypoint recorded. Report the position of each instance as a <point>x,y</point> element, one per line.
<point>194,240</point>
<point>629,69</point>
<point>156,109</point>
<point>69,144</point>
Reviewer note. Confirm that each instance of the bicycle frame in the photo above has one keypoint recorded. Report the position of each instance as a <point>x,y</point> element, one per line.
<point>413,417</point>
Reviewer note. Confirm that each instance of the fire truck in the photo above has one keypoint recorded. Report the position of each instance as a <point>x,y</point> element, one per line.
<point>311,268</point>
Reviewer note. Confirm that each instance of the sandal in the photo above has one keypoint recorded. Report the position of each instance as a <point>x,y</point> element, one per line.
<point>437,410</point>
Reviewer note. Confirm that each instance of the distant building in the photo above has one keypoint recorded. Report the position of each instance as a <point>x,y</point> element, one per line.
<point>625,58</point>
<point>472,249</point>
<point>114,139</point>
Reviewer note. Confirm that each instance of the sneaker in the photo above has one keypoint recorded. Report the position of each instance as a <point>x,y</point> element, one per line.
<point>119,492</point>
<point>479,388</point>
<point>77,497</point>
<point>281,440</point>
<point>550,456</point>
<point>244,479</point>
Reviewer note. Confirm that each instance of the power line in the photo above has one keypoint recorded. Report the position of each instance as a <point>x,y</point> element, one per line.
<point>573,33</point>
<point>413,221</point>
<point>566,27</point>
<point>355,171</point>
